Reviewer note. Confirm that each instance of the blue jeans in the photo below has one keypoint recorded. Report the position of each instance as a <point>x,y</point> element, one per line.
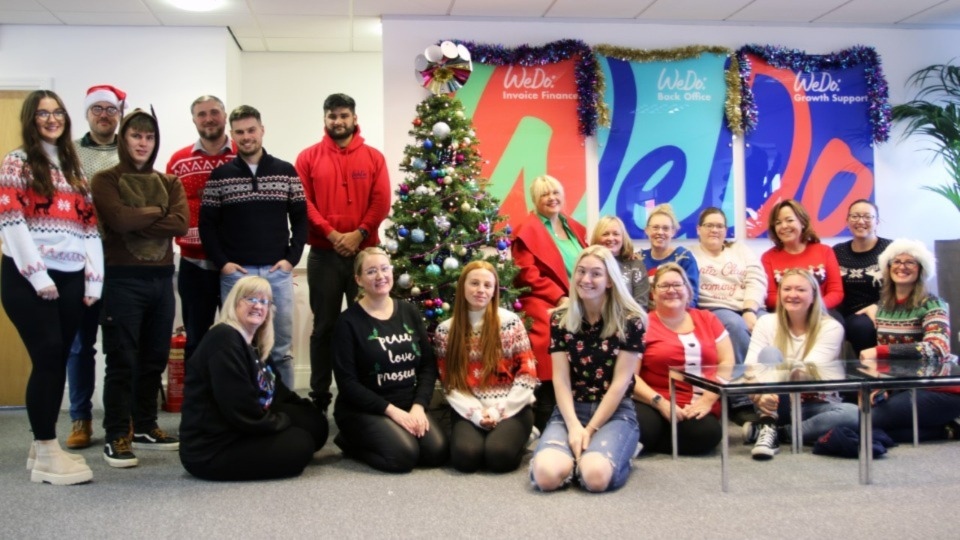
<point>934,411</point>
<point>617,438</point>
<point>82,363</point>
<point>137,319</point>
<point>281,286</point>
<point>199,291</point>
<point>740,339</point>
<point>818,417</point>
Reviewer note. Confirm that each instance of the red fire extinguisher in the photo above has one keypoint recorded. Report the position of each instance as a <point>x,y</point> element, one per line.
<point>175,370</point>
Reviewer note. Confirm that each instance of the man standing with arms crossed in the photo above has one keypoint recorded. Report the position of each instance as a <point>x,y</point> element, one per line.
<point>98,151</point>
<point>347,188</point>
<point>198,279</point>
<point>244,225</point>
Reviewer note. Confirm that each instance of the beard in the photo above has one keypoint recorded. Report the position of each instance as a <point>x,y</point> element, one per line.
<point>212,133</point>
<point>343,135</point>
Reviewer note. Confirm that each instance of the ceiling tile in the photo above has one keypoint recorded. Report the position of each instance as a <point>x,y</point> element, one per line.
<point>856,12</point>
<point>371,8</point>
<point>305,27</point>
<point>300,7</point>
<point>251,44</point>
<point>91,18</point>
<point>280,44</point>
<point>503,8</point>
<point>945,13</point>
<point>778,10</point>
<point>164,6</point>
<point>28,17</point>
<point>21,5</point>
<point>206,19</point>
<point>607,9</point>
<point>95,6</point>
<point>367,34</point>
<point>697,10</point>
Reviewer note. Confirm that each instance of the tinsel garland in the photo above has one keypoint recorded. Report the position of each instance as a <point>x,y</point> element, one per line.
<point>782,58</point>
<point>586,70</point>
<point>732,74</point>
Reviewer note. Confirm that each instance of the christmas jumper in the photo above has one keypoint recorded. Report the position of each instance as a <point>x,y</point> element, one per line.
<point>823,356</point>
<point>193,165</point>
<point>96,157</point>
<point>696,351</point>
<point>382,362</point>
<point>346,189</point>
<point>681,256</point>
<point>506,391</point>
<point>730,279</point>
<point>244,216</point>
<point>915,342</point>
<point>816,258</point>
<point>636,278</point>
<point>861,275</point>
<point>48,233</point>
<point>593,358</point>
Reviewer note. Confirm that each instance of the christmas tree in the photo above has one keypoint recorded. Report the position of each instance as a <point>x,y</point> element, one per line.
<point>443,217</point>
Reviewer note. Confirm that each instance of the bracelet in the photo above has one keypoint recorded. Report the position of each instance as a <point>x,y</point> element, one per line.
<point>588,426</point>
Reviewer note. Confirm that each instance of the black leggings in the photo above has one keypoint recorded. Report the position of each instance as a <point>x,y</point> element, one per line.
<point>47,328</point>
<point>277,455</point>
<point>499,449</point>
<point>694,436</point>
<point>383,444</point>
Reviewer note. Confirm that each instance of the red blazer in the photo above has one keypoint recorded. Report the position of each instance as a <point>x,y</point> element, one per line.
<point>542,269</point>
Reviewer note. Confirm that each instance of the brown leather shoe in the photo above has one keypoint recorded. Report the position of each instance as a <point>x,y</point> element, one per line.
<point>80,434</point>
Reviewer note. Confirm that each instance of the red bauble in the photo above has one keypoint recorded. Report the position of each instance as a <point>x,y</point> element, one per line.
<point>417,122</point>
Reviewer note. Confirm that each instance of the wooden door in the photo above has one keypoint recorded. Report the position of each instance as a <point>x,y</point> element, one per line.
<point>14,361</point>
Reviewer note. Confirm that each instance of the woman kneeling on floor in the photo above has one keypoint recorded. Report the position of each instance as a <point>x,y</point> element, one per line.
<point>239,420</point>
<point>595,342</point>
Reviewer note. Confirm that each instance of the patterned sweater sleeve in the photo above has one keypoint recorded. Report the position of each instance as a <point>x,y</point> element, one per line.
<point>927,346</point>
<point>15,235</point>
<point>516,348</point>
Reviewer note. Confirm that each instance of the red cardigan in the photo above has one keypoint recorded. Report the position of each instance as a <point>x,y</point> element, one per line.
<point>542,269</point>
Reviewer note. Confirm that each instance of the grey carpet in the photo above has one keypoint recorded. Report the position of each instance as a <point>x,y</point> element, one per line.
<point>914,495</point>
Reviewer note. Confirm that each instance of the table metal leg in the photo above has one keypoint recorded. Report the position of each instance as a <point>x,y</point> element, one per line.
<point>796,419</point>
<point>916,430</point>
<point>865,449</point>
<point>673,417</point>
<point>724,442</point>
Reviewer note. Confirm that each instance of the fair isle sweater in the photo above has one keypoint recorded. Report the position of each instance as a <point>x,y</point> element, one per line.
<point>915,342</point>
<point>861,275</point>
<point>685,259</point>
<point>40,233</point>
<point>505,392</point>
<point>244,215</point>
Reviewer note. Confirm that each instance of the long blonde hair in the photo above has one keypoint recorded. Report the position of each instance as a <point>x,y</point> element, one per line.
<point>618,303</point>
<point>458,344</point>
<point>244,288</point>
<point>604,223</point>
<point>815,314</point>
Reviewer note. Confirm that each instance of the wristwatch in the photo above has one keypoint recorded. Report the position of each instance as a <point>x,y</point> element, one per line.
<point>363,232</point>
<point>656,400</point>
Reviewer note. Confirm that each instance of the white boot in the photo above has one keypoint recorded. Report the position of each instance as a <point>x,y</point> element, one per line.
<point>32,456</point>
<point>54,466</point>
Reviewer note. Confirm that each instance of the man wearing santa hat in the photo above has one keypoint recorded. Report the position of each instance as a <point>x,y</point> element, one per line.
<point>98,151</point>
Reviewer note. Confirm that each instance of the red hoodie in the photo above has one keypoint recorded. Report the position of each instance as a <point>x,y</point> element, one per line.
<point>346,188</point>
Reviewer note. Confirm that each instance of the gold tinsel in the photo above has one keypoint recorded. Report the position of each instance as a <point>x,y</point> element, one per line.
<point>732,103</point>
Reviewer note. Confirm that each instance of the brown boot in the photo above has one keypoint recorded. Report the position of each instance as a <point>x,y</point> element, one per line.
<point>80,434</point>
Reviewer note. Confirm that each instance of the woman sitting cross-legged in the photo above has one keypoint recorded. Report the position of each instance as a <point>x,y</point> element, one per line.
<point>239,421</point>
<point>913,339</point>
<point>798,341</point>
<point>595,342</point>
<point>385,370</point>
<point>489,373</point>
<point>678,335</point>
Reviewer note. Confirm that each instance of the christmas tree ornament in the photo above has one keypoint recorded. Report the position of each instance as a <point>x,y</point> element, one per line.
<point>451,263</point>
<point>502,245</point>
<point>467,141</point>
<point>438,312</point>
<point>508,229</point>
<point>415,291</point>
<point>422,190</point>
<point>428,144</point>
<point>442,222</point>
<point>447,180</point>
<point>462,251</point>
<point>402,232</point>
<point>433,270</point>
<point>404,188</point>
<point>404,197</point>
<point>444,68</point>
<point>517,305</point>
<point>459,114</point>
<point>419,164</point>
<point>417,236</point>
<point>428,303</point>
<point>417,122</point>
<point>391,246</point>
<point>404,280</point>
<point>441,130</point>
<point>429,313</point>
<point>483,227</point>
<point>446,306</point>
<point>465,206</point>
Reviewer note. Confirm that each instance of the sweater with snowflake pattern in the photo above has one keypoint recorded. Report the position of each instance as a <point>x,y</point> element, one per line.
<point>915,342</point>
<point>505,392</point>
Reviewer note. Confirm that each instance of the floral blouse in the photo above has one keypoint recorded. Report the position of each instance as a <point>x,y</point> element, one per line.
<point>592,358</point>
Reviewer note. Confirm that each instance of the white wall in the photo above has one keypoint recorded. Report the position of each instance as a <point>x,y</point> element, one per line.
<point>906,211</point>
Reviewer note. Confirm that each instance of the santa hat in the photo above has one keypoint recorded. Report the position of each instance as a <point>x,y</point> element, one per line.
<point>914,248</point>
<point>104,92</point>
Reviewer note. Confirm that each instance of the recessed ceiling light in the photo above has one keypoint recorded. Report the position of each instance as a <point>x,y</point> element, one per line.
<point>198,5</point>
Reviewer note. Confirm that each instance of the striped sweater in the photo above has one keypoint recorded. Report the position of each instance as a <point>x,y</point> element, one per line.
<point>505,392</point>
<point>914,341</point>
<point>41,233</point>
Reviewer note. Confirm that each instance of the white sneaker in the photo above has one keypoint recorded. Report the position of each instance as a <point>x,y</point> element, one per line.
<point>768,443</point>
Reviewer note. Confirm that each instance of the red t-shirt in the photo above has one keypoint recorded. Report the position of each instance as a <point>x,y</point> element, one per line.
<point>664,348</point>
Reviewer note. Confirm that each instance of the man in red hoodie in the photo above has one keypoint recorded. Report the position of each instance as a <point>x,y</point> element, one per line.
<point>347,188</point>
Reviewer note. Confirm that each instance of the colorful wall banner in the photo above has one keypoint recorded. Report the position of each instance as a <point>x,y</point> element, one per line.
<point>812,142</point>
<point>526,121</point>
<point>667,141</point>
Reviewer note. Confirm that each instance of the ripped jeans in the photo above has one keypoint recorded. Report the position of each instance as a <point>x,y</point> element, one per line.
<point>616,439</point>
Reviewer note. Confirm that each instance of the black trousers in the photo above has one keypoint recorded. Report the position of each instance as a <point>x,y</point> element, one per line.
<point>694,437</point>
<point>383,444</point>
<point>47,328</point>
<point>330,278</point>
<point>497,450</point>
<point>277,455</point>
<point>543,407</point>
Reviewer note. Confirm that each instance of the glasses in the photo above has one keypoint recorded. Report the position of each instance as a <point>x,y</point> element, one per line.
<point>660,228</point>
<point>861,217</point>
<point>905,264</point>
<point>98,110</point>
<point>714,226</point>
<point>59,114</point>
<point>373,271</point>
<point>668,286</point>
<point>255,301</point>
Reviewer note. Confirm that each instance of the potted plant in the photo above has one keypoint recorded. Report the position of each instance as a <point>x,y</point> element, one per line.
<point>935,113</point>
